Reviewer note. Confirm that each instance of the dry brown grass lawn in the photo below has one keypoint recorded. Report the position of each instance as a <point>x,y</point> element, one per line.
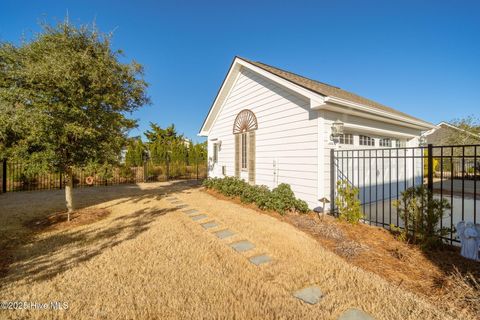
<point>444,277</point>
<point>146,260</point>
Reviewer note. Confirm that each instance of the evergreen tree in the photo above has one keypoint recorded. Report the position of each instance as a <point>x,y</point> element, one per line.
<point>76,93</point>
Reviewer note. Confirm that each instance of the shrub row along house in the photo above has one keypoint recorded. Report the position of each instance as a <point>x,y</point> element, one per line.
<point>269,126</point>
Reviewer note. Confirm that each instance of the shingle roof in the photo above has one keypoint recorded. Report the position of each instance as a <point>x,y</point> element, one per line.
<point>326,89</point>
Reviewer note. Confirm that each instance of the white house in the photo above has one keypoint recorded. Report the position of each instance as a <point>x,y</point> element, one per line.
<point>270,126</point>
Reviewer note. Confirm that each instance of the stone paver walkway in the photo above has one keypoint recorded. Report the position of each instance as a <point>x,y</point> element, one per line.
<point>199,217</point>
<point>191,211</point>
<point>242,246</point>
<point>311,295</point>
<point>258,260</point>
<point>354,314</point>
<point>208,225</point>
<point>222,234</point>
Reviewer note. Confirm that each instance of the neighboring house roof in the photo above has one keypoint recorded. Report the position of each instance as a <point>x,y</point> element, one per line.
<point>320,93</point>
<point>447,125</point>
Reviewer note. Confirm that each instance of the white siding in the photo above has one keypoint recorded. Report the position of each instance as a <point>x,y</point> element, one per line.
<point>327,117</point>
<point>287,135</point>
<point>292,141</point>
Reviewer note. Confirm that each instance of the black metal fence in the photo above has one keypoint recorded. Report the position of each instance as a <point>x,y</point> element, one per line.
<point>16,175</point>
<point>381,175</point>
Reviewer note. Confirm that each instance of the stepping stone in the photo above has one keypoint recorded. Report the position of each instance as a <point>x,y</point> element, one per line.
<point>242,246</point>
<point>354,314</point>
<point>224,234</point>
<point>309,295</point>
<point>190,211</point>
<point>208,225</point>
<point>199,217</point>
<point>258,260</point>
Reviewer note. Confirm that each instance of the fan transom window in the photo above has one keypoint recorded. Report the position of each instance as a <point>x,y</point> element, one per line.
<point>245,121</point>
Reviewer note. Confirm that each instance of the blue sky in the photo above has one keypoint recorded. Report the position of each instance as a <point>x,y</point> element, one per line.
<point>420,57</point>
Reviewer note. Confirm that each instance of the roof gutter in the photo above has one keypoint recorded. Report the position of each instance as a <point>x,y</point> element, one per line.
<point>363,108</point>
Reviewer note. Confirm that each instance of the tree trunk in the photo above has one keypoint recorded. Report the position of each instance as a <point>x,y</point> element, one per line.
<point>69,193</point>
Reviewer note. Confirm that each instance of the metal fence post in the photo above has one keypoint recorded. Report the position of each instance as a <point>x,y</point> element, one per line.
<point>430,168</point>
<point>332,181</point>
<point>4,176</point>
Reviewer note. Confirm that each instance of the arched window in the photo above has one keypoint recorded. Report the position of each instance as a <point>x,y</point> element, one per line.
<point>244,122</point>
<point>244,130</point>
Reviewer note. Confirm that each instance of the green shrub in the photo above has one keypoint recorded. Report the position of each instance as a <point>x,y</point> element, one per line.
<point>301,206</point>
<point>256,194</point>
<point>228,186</point>
<point>281,199</point>
<point>126,172</point>
<point>209,183</point>
<point>398,232</point>
<point>154,171</point>
<point>347,202</point>
<point>177,169</point>
<point>422,214</point>
<point>232,187</point>
<point>27,179</point>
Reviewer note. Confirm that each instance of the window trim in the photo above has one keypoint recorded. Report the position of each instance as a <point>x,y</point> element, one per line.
<point>400,143</point>
<point>343,141</point>
<point>244,151</point>
<point>382,142</point>
<point>366,141</point>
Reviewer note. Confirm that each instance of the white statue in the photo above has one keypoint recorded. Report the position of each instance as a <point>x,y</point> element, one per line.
<point>469,235</point>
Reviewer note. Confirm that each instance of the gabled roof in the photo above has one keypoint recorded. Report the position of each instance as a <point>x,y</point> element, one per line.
<point>319,94</point>
<point>326,89</point>
<point>451,126</point>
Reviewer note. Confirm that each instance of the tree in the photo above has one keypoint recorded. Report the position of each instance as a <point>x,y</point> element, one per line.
<point>197,152</point>
<point>76,92</point>
<point>168,147</point>
<point>14,123</point>
<point>157,134</point>
<point>165,145</point>
<point>422,214</point>
<point>135,153</point>
<point>469,127</point>
<point>347,202</point>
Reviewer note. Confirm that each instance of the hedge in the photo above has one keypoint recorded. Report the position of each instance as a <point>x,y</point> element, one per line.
<point>281,199</point>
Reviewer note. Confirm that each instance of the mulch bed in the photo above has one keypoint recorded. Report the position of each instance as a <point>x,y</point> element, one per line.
<point>442,276</point>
